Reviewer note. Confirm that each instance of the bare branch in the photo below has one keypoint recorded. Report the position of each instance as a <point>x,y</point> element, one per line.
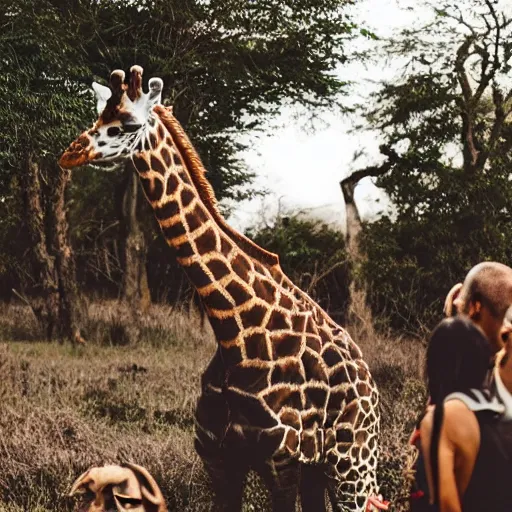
<point>499,119</point>
<point>348,186</point>
<point>497,39</point>
<point>462,55</point>
<point>316,278</point>
<point>466,105</point>
<point>460,19</point>
<point>28,303</point>
<point>484,76</point>
<point>489,28</point>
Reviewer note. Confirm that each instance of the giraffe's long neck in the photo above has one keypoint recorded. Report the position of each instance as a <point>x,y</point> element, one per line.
<point>226,278</point>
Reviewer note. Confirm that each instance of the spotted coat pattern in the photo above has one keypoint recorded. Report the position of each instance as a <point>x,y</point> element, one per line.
<point>287,385</point>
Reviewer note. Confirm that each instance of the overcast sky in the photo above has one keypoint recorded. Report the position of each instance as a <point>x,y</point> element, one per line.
<point>303,169</point>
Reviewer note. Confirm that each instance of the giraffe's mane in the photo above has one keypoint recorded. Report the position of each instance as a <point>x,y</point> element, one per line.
<point>198,175</point>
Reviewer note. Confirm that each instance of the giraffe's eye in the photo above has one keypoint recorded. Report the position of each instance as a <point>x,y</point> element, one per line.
<point>113,131</point>
<point>130,128</point>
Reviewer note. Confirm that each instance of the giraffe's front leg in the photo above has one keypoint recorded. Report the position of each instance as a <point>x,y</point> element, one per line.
<point>227,472</point>
<point>313,486</point>
<point>227,479</point>
<point>282,478</point>
<point>226,468</point>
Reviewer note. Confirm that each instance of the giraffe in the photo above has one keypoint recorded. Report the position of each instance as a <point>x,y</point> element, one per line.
<point>287,392</point>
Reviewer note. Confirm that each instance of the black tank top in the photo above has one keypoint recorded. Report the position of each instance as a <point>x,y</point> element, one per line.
<point>490,485</point>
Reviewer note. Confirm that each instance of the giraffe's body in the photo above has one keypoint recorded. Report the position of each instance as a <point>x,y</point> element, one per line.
<point>287,387</point>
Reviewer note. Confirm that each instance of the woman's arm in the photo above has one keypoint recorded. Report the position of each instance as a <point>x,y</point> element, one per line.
<point>449,500</point>
<point>459,442</point>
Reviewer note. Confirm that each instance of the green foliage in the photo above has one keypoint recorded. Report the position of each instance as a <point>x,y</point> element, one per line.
<point>448,165</point>
<point>41,109</point>
<point>41,103</point>
<point>227,66</point>
<point>413,261</point>
<point>313,255</point>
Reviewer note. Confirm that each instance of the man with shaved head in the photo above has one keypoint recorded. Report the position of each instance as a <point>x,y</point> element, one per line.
<point>484,297</point>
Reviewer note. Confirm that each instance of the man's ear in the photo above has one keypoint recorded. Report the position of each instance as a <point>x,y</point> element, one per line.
<point>451,303</point>
<point>475,309</point>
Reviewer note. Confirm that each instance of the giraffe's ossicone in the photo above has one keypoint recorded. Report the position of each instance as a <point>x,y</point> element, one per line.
<point>288,392</point>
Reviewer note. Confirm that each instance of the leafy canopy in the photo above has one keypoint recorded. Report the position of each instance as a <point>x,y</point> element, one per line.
<point>447,129</point>
<point>228,66</point>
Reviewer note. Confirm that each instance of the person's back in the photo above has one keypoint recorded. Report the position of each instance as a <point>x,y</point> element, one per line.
<point>460,433</point>
<point>489,487</point>
<point>482,467</point>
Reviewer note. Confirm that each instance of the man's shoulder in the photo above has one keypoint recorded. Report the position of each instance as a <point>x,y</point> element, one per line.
<point>501,393</point>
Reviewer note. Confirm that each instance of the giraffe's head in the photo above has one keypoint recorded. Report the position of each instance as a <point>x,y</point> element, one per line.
<point>124,125</point>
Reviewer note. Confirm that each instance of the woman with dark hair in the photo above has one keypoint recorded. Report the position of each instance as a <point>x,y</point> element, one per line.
<point>466,467</point>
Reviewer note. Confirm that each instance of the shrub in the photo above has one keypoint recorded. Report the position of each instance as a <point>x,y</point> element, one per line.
<point>313,255</point>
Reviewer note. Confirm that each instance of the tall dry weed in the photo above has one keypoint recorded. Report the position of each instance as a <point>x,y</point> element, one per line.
<point>396,364</point>
<point>67,408</point>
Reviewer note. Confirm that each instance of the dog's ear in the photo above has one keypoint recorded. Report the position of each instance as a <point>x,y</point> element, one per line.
<point>152,498</point>
<point>81,484</point>
<point>102,487</point>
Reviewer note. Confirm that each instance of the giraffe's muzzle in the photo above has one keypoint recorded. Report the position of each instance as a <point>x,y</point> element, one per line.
<point>78,153</point>
<point>74,157</point>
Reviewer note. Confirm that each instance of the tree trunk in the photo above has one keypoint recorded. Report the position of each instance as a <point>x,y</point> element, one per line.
<point>353,218</point>
<point>348,186</point>
<point>360,310</point>
<point>48,313</point>
<point>69,308</point>
<point>53,256</point>
<point>135,288</point>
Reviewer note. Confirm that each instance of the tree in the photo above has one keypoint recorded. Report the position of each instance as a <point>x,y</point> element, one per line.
<point>227,66</point>
<point>41,107</point>
<point>447,133</point>
<point>227,69</point>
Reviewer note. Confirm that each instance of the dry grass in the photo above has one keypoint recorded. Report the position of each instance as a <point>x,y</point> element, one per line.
<point>397,366</point>
<point>65,409</point>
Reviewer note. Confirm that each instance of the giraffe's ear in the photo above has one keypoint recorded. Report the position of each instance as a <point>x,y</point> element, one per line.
<point>102,95</point>
<point>155,92</point>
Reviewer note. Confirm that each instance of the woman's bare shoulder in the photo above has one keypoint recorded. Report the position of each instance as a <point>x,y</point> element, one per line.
<point>458,420</point>
<point>426,422</point>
